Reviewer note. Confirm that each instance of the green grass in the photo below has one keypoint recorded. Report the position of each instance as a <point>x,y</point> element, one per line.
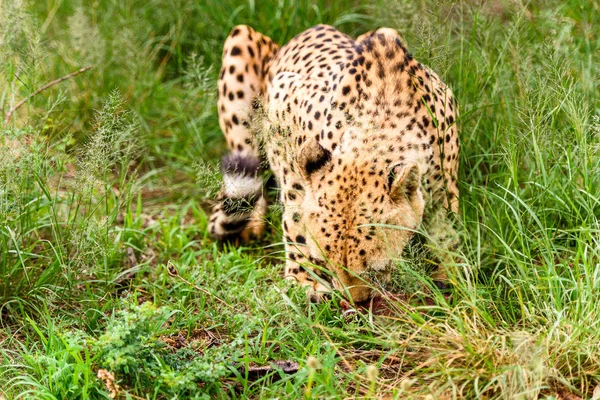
<point>105,181</point>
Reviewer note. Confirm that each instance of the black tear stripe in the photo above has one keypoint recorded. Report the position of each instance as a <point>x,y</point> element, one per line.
<point>391,178</point>
<point>237,164</point>
<point>318,162</point>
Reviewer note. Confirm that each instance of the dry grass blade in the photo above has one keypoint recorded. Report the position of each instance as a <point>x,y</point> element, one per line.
<point>41,89</point>
<point>175,273</point>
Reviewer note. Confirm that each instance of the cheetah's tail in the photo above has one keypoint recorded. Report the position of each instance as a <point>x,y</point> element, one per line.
<point>242,189</point>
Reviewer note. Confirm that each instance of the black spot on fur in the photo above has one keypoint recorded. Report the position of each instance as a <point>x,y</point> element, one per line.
<point>300,239</point>
<point>236,51</point>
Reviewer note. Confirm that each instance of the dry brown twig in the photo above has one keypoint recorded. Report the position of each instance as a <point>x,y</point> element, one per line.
<point>258,371</point>
<point>41,89</point>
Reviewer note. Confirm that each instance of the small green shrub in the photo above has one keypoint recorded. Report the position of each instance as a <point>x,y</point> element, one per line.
<point>132,349</point>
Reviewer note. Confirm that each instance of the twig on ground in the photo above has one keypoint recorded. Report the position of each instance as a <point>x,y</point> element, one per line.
<point>41,89</point>
<point>255,371</point>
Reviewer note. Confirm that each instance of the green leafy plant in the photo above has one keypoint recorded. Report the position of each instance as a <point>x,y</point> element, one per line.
<point>131,347</point>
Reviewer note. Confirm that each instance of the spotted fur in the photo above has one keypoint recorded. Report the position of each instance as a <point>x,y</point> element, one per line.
<point>361,138</point>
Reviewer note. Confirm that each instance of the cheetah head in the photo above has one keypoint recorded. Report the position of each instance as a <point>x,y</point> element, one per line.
<point>360,211</point>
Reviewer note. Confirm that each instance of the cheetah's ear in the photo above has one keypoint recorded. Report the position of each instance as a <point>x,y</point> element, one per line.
<point>312,157</point>
<point>404,181</point>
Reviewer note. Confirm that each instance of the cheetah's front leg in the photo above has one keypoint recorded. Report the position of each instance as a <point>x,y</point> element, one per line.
<point>298,260</point>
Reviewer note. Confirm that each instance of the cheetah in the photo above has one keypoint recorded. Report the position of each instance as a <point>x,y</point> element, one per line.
<point>361,139</point>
